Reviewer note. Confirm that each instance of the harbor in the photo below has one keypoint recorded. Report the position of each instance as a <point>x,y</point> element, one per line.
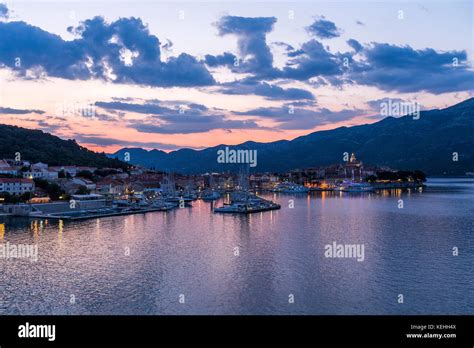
<point>242,201</point>
<point>80,193</point>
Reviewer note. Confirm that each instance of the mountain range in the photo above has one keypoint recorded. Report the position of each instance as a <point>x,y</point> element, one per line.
<point>439,142</point>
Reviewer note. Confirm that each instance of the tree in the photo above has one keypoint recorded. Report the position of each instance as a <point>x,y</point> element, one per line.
<point>54,191</point>
<point>5,197</point>
<point>105,172</point>
<point>82,190</point>
<point>25,197</point>
<point>371,178</point>
<point>85,174</point>
<point>419,175</point>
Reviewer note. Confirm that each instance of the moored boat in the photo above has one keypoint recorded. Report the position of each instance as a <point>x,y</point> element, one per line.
<point>289,187</point>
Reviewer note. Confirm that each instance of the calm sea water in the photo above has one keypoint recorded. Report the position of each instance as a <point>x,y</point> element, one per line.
<point>85,267</point>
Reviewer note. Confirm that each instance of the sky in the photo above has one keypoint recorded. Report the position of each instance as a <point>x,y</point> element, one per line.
<point>195,74</point>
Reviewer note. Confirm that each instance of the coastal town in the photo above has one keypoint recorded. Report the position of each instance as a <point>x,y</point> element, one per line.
<point>78,192</point>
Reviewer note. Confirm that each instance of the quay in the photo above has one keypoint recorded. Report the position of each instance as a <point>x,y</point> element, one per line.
<point>84,207</point>
<point>83,215</point>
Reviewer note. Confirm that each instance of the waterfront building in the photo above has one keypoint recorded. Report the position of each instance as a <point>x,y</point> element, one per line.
<point>16,186</point>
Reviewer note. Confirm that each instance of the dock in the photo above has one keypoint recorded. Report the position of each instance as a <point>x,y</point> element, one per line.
<point>84,215</point>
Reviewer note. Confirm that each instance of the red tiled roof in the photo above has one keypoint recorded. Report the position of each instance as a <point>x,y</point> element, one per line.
<point>108,181</point>
<point>16,180</point>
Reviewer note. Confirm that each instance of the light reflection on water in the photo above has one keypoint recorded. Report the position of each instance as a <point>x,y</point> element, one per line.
<point>191,251</point>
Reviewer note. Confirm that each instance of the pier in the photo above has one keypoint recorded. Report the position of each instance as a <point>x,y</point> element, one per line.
<point>83,215</point>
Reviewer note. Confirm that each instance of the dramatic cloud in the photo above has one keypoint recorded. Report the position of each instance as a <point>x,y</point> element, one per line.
<point>324,29</point>
<point>123,51</point>
<point>271,92</point>
<point>292,118</point>
<point>382,65</point>
<point>312,60</point>
<point>404,69</point>
<point>11,111</point>
<point>253,49</point>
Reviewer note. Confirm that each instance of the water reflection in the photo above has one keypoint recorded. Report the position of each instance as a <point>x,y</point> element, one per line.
<point>191,251</point>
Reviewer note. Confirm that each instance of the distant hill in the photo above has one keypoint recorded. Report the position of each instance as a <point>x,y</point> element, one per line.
<point>37,146</point>
<point>401,143</point>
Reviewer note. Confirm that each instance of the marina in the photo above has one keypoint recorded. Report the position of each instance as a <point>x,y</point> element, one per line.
<point>234,202</point>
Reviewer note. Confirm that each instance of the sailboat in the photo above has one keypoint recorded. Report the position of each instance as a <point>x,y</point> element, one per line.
<point>210,194</point>
<point>243,202</point>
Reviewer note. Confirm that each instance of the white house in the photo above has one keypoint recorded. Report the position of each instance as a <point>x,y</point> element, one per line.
<point>16,186</point>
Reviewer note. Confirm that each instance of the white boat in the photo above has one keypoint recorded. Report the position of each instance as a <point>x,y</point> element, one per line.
<point>245,203</point>
<point>247,207</point>
<point>357,187</point>
<point>210,195</point>
<point>162,204</point>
